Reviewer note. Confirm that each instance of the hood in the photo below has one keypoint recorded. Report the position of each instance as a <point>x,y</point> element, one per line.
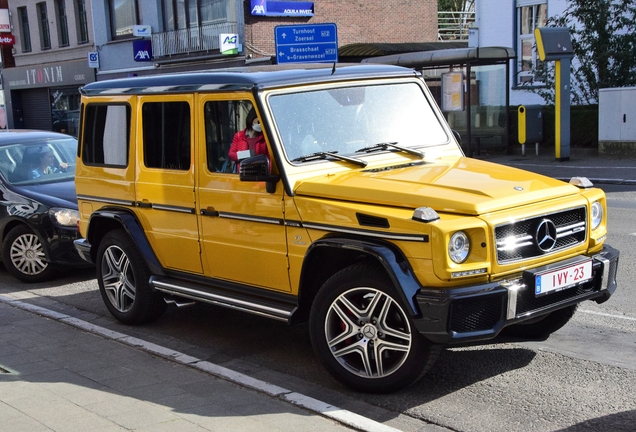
<point>57,194</point>
<point>450,185</point>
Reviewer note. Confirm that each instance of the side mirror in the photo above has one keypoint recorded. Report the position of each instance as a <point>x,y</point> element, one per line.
<point>256,169</point>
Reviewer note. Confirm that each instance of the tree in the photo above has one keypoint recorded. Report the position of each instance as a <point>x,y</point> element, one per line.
<point>455,5</point>
<point>603,36</point>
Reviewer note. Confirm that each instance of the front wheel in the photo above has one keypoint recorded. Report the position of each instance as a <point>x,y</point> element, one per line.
<point>364,336</point>
<point>24,256</point>
<point>123,279</point>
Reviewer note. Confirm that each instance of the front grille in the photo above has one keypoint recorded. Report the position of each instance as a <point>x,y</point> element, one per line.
<point>518,240</point>
<point>477,314</point>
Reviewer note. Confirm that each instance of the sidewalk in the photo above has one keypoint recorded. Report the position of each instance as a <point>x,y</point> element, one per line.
<point>582,163</point>
<point>54,377</point>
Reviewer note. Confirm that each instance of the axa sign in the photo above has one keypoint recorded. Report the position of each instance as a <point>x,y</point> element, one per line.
<point>142,50</point>
<point>281,8</point>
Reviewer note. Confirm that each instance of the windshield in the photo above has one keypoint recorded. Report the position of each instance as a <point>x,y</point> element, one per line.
<point>38,162</point>
<point>348,119</point>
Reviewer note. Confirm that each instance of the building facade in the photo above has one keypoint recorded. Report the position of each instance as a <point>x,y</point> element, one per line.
<point>52,39</point>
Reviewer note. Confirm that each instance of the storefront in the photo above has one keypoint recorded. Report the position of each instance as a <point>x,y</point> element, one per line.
<point>45,97</point>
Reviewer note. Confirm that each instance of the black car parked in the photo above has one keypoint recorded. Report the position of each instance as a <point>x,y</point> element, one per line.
<point>38,207</point>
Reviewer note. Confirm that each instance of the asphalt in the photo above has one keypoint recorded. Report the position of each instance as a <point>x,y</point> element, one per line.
<point>59,373</point>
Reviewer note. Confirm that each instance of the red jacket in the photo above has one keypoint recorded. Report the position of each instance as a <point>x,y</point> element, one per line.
<point>239,143</point>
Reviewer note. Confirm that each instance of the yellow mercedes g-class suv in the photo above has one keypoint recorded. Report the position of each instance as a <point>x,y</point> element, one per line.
<point>337,195</point>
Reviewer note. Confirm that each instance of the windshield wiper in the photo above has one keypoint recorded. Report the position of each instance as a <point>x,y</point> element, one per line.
<point>333,154</point>
<point>385,145</point>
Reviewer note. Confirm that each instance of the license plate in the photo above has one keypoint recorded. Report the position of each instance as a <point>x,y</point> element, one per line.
<point>563,278</point>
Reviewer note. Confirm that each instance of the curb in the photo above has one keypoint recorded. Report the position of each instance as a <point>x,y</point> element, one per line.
<point>344,417</point>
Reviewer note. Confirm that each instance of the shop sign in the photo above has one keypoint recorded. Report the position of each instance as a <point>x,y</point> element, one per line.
<point>7,39</point>
<point>52,75</point>
<point>93,59</point>
<point>142,50</point>
<point>281,8</point>
<point>5,24</point>
<point>142,30</point>
<point>229,43</point>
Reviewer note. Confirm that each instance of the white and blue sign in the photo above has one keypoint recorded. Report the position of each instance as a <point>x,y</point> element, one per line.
<point>93,59</point>
<point>143,50</point>
<point>281,8</point>
<point>313,43</point>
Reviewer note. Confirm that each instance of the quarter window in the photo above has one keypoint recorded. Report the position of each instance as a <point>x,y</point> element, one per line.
<point>166,129</point>
<point>106,135</point>
<point>529,17</point>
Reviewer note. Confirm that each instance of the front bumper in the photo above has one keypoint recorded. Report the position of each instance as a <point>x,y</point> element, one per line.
<point>480,312</point>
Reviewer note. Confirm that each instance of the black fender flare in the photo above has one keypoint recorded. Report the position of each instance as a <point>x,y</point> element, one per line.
<point>129,222</point>
<point>388,255</point>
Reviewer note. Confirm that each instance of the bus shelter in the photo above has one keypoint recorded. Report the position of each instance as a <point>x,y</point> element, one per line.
<point>471,86</point>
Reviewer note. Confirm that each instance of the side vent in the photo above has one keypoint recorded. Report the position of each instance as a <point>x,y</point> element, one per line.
<point>372,221</point>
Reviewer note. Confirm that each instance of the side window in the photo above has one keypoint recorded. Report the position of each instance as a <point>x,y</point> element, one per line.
<point>223,119</point>
<point>106,135</point>
<point>166,132</point>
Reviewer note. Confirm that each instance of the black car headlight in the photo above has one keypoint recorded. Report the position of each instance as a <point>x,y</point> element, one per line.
<point>64,217</point>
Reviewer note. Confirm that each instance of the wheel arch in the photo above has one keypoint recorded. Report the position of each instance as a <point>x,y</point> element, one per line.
<point>327,256</point>
<point>105,220</point>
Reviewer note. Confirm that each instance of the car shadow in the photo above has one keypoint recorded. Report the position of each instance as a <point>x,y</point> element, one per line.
<point>622,421</point>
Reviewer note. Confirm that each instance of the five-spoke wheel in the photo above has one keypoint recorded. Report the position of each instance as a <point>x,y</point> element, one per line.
<point>123,279</point>
<point>364,335</point>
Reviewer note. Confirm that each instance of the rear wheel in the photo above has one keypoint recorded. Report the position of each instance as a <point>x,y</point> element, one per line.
<point>123,279</point>
<point>24,257</point>
<point>364,336</point>
<point>540,330</point>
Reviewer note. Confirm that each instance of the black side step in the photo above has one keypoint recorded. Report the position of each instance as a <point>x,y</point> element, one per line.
<point>258,305</point>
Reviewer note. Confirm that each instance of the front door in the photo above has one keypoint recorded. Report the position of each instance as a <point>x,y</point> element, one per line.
<point>165,181</point>
<point>242,230</point>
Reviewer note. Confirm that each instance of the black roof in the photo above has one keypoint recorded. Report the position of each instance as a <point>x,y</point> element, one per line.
<point>244,78</point>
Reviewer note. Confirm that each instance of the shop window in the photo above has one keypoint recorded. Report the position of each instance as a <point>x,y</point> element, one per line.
<point>62,23</point>
<point>25,32</point>
<point>530,15</point>
<point>106,135</point>
<point>45,32</point>
<point>82,23</point>
<point>166,134</point>
<point>123,16</point>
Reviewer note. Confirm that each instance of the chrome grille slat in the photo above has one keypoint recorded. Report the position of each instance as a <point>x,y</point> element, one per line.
<point>516,241</point>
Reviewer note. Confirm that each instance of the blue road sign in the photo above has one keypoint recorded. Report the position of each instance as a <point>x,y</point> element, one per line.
<point>313,43</point>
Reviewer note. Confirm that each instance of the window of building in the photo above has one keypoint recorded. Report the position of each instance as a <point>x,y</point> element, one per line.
<point>530,15</point>
<point>106,135</point>
<point>25,32</point>
<point>181,14</point>
<point>62,23</point>
<point>123,16</point>
<point>166,135</point>
<point>82,24</point>
<point>45,33</point>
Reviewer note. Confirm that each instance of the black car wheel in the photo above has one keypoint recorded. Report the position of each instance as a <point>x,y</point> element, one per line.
<point>123,279</point>
<point>24,256</point>
<point>364,336</point>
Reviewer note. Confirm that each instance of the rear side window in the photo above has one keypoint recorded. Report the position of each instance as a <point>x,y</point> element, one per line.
<point>106,135</point>
<point>166,129</point>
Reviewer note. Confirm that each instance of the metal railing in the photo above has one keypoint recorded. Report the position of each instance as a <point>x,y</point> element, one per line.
<point>194,39</point>
<point>453,26</point>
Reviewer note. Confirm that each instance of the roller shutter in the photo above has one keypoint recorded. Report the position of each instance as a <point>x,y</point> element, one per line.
<point>36,109</point>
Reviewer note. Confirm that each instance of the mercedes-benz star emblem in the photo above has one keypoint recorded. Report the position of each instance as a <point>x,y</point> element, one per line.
<point>546,235</point>
<point>369,331</point>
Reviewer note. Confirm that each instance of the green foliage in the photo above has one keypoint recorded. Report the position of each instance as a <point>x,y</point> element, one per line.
<point>455,5</point>
<point>604,40</point>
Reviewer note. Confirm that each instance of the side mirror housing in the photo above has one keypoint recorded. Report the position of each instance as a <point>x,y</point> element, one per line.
<point>257,169</point>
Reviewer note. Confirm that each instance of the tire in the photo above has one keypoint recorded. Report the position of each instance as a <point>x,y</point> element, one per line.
<point>542,329</point>
<point>123,279</point>
<point>24,256</point>
<point>357,314</point>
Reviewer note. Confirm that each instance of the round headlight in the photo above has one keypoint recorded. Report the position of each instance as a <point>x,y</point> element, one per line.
<point>459,247</point>
<point>597,214</point>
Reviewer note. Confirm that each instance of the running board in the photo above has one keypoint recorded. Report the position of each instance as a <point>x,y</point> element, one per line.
<point>265,307</point>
